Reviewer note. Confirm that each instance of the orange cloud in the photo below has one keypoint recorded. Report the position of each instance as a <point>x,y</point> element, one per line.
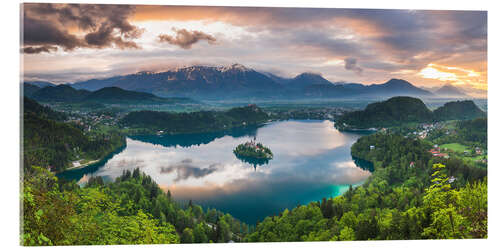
<point>455,75</point>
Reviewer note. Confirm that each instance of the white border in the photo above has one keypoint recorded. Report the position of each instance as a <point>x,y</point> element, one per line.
<point>10,121</point>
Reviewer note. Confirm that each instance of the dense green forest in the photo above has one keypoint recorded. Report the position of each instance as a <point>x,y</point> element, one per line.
<point>130,210</point>
<point>474,131</point>
<point>31,107</point>
<point>402,110</point>
<point>408,196</point>
<point>394,111</point>
<point>458,110</point>
<point>54,144</point>
<point>202,121</point>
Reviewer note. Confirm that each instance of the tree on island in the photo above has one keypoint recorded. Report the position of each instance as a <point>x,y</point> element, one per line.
<point>252,149</point>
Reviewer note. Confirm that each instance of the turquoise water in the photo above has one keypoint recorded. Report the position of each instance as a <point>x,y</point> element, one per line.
<point>311,160</point>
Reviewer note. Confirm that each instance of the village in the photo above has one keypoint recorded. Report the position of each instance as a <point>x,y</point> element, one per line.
<point>435,132</point>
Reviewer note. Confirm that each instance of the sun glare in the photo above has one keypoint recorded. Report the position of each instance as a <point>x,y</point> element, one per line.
<point>433,73</point>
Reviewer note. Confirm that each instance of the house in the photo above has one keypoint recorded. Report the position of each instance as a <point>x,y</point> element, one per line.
<point>412,164</point>
<point>434,151</point>
<point>442,155</point>
<point>372,147</point>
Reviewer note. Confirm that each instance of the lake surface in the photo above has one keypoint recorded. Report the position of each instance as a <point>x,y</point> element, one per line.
<point>312,160</point>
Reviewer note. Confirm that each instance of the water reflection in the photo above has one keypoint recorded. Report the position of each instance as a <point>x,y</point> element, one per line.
<point>198,139</point>
<point>82,174</point>
<point>252,161</point>
<point>185,169</point>
<point>311,160</point>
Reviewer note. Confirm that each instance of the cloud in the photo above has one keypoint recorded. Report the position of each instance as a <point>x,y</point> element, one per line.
<point>185,39</point>
<point>288,40</point>
<point>36,50</point>
<point>185,170</point>
<point>351,64</point>
<point>70,26</point>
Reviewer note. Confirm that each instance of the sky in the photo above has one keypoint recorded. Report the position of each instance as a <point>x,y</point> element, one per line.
<point>429,48</point>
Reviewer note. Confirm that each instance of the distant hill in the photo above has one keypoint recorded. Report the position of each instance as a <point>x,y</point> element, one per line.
<point>108,95</point>
<point>237,81</point>
<point>459,110</point>
<point>118,95</point>
<point>307,79</point>
<point>394,111</point>
<point>29,89</point>
<point>398,87</point>
<point>60,93</point>
<point>400,110</point>
<point>31,106</point>
<point>195,122</point>
<point>40,84</point>
<point>449,90</point>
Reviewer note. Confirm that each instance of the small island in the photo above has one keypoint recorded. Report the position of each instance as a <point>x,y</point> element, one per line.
<point>253,150</point>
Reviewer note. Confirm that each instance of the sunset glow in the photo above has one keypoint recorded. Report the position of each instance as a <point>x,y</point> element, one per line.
<point>454,75</point>
<point>426,48</point>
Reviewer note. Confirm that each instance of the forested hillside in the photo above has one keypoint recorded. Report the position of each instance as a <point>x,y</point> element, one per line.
<point>203,121</point>
<point>394,111</point>
<point>474,131</point>
<point>459,110</point>
<point>131,210</point>
<point>408,196</point>
<point>54,144</point>
<point>402,110</point>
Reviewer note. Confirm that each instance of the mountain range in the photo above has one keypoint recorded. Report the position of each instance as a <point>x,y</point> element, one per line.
<point>237,81</point>
<point>449,90</point>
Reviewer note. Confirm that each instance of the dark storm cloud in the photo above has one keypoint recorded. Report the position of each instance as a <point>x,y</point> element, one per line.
<point>351,64</point>
<point>185,39</point>
<point>46,33</point>
<point>102,26</point>
<point>185,170</point>
<point>36,50</point>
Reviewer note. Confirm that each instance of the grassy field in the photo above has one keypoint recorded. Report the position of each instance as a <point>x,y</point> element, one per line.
<point>457,147</point>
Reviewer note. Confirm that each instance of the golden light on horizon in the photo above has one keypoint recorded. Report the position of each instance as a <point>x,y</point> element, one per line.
<point>454,75</point>
<point>433,73</point>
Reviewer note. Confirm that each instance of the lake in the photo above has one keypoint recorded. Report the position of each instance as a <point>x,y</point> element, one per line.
<point>311,160</point>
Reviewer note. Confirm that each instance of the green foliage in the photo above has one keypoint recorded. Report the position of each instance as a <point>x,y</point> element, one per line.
<point>455,214</point>
<point>131,210</point>
<point>397,202</point>
<point>187,236</point>
<point>399,111</point>
<point>394,111</point>
<point>195,122</point>
<point>87,216</point>
<point>458,110</point>
<point>47,142</point>
<point>32,107</point>
<point>258,151</point>
<point>474,132</point>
